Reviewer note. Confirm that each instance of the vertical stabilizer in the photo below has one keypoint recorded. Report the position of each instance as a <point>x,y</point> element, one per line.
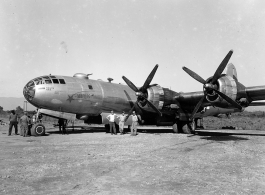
<point>231,71</point>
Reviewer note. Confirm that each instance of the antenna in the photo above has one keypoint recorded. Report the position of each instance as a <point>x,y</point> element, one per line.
<point>89,75</point>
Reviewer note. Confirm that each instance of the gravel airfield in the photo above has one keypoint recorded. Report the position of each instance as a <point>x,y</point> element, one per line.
<point>93,162</point>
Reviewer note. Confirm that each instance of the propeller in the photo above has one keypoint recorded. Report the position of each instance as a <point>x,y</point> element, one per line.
<point>210,86</point>
<point>141,92</point>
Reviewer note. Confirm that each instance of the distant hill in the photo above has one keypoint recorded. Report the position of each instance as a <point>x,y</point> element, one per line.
<point>10,103</point>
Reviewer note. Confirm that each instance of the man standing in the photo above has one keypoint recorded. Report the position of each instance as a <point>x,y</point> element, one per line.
<point>134,124</point>
<point>62,125</point>
<point>24,120</point>
<point>13,122</point>
<point>111,119</point>
<point>121,123</point>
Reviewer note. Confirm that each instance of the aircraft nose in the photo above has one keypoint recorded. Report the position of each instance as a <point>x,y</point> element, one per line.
<point>29,91</point>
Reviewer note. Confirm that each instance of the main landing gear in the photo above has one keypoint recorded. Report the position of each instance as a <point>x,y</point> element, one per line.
<point>186,127</point>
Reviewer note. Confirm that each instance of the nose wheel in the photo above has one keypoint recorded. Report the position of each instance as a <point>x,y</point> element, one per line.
<point>38,129</point>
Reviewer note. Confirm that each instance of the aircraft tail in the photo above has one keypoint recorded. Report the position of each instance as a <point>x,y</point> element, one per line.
<point>231,71</point>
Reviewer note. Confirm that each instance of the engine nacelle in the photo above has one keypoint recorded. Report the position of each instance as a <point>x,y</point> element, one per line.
<point>159,97</point>
<point>228,86</point>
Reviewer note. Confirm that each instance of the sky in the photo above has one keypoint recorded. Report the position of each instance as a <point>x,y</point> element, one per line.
<point>116,38</point>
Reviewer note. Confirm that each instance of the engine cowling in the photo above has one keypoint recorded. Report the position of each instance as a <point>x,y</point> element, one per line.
<point>159,97</point>
<point>228,86</point>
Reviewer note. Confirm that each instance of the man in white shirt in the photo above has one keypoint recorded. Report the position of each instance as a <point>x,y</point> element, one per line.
<point>121,123</point>
<point>134,124</point>
<point>111,119</point>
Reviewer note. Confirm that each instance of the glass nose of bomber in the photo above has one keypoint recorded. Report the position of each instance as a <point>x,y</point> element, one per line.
<point>29,91</point>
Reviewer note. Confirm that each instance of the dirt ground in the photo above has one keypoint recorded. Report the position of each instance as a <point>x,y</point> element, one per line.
<point>93,162</point>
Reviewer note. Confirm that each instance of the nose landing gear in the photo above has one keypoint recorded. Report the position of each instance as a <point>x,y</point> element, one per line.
<point>38,129</point>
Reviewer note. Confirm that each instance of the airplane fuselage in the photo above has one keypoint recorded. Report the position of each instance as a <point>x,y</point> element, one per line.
<point>81,96</point>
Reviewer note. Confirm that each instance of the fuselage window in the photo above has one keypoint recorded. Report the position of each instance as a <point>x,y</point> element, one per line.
<point>90,87</point>
<point>48,81</point>
<point>55,81</point>
<point>62,81</point>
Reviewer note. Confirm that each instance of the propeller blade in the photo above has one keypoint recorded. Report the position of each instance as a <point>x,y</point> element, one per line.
<point>228,99</point>
<point>149,78</point>
<point>153,106</point>
<point>130,112</point>
<point>137,108</point>
<point>196,108</point>
<point>194,75</point>
<point>130,84</point>
<point>222,66</point>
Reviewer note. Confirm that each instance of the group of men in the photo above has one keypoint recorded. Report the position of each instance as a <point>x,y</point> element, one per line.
<point>25,124</point>
<point>122,120</point>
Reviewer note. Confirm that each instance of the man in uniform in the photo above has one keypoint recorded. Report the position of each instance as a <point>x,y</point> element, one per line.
<point>13,122</point>
<point>24,120</point>
<point>121,123</point>
<point>134,124</point>
<point>111,119</point>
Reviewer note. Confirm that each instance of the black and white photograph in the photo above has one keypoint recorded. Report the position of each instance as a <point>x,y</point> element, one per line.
<point>143,97</point>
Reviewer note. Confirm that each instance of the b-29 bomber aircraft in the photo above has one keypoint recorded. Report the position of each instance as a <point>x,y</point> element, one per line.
<point>80,97</point>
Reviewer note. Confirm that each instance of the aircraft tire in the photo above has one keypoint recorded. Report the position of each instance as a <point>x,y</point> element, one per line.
<point>107,128</point>
<point>189,128</point>
<point>175,128</point>
<point>37,129</point>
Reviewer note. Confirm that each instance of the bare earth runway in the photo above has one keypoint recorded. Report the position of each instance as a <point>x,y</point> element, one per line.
<point>87,162</point>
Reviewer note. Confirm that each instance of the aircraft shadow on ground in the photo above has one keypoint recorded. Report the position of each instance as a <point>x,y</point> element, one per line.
<point>221,136</point>
<point>79,130</point>
<point>225,138</point>
<point>213,135</point>
<point>208,133</point>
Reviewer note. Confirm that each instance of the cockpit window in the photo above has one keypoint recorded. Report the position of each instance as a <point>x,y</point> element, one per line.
<point>30,84</point>
<point>38,80</point>
<point>62,81</point>
<point>48,81</point>
<point>53,77</point>
<point>55,81</point>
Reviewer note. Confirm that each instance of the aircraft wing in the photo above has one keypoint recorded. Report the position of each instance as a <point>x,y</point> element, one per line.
<point>257,104</point>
